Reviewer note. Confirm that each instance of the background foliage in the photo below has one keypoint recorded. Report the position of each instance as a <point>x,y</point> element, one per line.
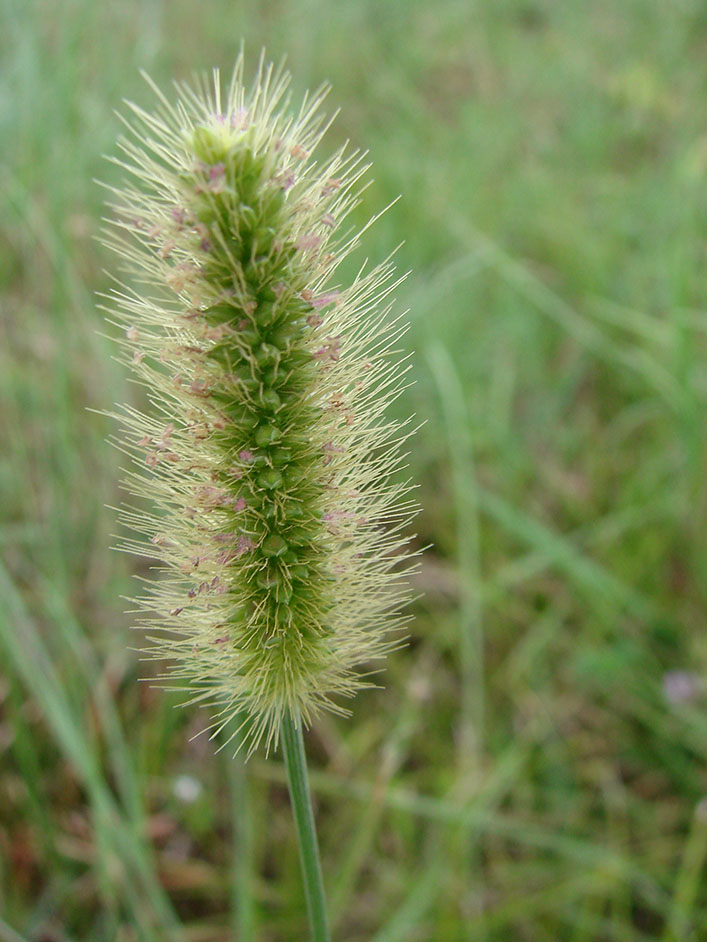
<point>533,767</point>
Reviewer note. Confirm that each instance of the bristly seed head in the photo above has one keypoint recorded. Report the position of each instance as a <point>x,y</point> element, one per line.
<point>266,451</point>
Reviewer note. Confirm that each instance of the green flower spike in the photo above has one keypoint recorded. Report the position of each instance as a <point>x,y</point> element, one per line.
<point>265,454</point>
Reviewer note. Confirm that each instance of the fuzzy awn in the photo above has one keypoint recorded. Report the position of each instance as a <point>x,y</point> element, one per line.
<point>265,452</point>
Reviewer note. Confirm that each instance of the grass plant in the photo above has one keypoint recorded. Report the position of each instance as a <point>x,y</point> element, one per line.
<point>273,499</point>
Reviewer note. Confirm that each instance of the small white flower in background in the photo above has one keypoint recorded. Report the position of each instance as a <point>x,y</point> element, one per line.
<point>187,789</point>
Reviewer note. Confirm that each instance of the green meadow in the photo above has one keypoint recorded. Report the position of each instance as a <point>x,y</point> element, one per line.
<point>533,765</point>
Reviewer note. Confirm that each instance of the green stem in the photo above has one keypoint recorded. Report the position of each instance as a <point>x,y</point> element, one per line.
<point>296,765</point>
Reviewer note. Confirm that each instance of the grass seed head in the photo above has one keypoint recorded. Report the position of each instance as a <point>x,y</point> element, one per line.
<point>265,451</point>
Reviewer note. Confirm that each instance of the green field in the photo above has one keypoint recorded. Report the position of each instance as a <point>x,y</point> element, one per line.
<point>534,765</point>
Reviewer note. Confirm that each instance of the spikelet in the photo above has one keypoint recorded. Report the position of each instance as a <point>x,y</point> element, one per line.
<point>266,454</point>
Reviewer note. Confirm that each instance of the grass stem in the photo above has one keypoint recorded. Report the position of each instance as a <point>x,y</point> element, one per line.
<point>298,783</point>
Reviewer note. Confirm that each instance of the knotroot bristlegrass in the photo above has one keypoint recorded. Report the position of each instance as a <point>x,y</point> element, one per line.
<point>267,470</point>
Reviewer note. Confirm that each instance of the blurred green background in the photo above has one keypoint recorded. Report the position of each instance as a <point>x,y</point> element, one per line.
<point>533,767</point>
